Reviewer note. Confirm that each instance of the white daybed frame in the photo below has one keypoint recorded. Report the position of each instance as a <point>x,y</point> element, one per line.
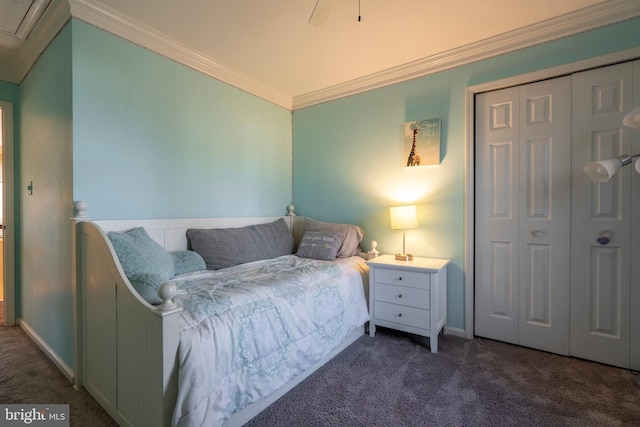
<point>128,348</point>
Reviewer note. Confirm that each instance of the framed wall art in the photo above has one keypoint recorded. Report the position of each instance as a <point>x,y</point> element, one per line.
<point>422,142</point>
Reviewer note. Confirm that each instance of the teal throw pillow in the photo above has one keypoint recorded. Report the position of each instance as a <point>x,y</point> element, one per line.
<point>146,263</point>
<point>187,262</point>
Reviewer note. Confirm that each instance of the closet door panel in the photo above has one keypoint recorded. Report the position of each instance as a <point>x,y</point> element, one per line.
<point>605,288</point>
<point>600,273</point>
<point>497,204</point>
<point>635,235</point>
<point>544,224</point>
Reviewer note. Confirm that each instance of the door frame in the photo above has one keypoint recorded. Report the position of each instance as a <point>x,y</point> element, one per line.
<point>469,156</point>
<point>8,218</point>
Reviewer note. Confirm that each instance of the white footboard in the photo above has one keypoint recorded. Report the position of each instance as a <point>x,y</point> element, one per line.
<point>128,347</point>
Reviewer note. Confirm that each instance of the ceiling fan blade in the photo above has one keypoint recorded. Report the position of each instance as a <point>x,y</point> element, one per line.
<point>320,12</point>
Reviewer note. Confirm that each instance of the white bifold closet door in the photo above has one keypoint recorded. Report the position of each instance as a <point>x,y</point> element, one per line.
<point>601,273</point>
<point>522,243</point>
<point>558,256</point>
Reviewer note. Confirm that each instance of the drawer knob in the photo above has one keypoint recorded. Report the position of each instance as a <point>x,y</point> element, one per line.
<point>400,296</point>
<point>400,278</point>
<point>399,314</point>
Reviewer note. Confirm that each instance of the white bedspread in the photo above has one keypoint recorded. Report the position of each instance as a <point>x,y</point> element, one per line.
<point>288,313</point>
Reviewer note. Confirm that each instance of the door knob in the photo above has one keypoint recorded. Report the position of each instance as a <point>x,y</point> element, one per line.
<point>604,237</point>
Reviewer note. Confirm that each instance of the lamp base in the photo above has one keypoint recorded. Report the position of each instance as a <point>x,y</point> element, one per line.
<point>404,257</point>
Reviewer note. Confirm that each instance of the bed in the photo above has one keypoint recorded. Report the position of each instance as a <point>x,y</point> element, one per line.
<point>187,358</point>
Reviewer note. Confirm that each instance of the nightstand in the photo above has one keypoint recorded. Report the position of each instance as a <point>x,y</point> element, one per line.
<point>409,296</point>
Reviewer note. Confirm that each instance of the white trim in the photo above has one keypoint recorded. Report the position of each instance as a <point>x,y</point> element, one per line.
<point>470,93</point>
<point>171,234</point>
<point>8,219</point>
<point>31,18</point>
<point>456,332</point>
<point>13,39</point>
<point>52,21</point>
<point>66,370</point>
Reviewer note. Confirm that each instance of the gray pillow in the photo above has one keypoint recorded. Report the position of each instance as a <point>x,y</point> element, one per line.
<point>187,262</point>
<point>352,235</point>
<point>320,245</point>
<point>146,264</point>
<point>224,247</point>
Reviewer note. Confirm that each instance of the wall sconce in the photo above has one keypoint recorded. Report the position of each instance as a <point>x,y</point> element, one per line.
<point>603,170</point>
<point>403,218</point>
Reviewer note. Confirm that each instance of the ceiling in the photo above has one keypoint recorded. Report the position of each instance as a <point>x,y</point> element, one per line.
<point>269,48</point>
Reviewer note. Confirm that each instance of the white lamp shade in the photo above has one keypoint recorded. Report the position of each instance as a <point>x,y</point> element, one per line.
<point>403,217</point>
<point>602,170</point>
<point>632,119</point>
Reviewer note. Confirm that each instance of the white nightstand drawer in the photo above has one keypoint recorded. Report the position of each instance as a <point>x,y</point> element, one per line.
<point>410,316</point>
<point>404,278</point>
<point>413,297</point>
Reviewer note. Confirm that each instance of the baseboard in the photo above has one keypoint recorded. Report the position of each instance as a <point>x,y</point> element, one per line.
<point>66,370</point>
<point>456,332</point>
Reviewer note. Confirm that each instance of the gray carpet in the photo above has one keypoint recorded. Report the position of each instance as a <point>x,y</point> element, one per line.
<point>394,380</point>
<point>28,376</point>
<point>390,380</point>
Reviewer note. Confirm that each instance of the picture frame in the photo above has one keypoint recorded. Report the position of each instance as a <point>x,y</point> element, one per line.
<point>422,142</point>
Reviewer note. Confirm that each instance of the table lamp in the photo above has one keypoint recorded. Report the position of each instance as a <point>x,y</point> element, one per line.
<point>403,218</point>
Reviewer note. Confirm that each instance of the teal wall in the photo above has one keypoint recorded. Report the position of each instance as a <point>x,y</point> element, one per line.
<point>154,139</point>
<point>8,91</point>
<point>136,135</point>
<point>45,153</point>
<point>348,153</point>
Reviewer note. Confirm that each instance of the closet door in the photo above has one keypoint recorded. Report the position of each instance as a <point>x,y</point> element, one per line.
<point>600,275</point>
<point>635,236</point>
<point>523,154</point>
<point>497,217</point>
<point>545,187</point>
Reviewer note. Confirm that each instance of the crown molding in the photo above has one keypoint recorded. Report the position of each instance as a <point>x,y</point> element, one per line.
<point>131,30</point>
<point>59,11</point>
<point>600,15</point>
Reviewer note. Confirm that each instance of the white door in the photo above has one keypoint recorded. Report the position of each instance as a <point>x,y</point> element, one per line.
<point>523,158</point>
<point>8,234</point>
<point>635,237</point>
<point>497,220</point>
<point>600,276</point>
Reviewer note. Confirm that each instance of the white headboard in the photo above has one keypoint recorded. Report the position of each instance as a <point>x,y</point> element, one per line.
<point>171,234</point>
